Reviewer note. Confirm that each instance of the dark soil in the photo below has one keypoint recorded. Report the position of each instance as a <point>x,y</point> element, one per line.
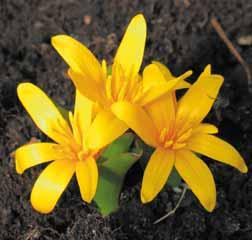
<point>181,37</point>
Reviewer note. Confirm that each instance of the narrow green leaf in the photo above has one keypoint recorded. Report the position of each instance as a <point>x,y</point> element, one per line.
<point>174,179</point>
<point>112,173</point>
<point>64,112</point>
<point>120,145</point>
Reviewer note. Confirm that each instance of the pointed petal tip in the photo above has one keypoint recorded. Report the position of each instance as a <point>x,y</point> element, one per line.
<point>145,199</point>
<point>208,69</point>
<point>210,206</point>
<point>243,168</point>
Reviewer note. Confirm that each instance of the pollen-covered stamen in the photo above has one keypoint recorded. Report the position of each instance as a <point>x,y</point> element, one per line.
<point>136,90</point>
<point>123,91</point>
<point>77,134</point>
<point>184,136</point>
<point>117,80</point>
<point>163,135</point>
<point>108,88</point>
<point>169,138</point>
<point>82,155</point>
<point>168,143</point>
<point>133,86</point>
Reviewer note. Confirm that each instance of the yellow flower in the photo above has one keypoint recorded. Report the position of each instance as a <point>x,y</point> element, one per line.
<point>176,131</point>
<point>71,152</point>
<point>124,83</point>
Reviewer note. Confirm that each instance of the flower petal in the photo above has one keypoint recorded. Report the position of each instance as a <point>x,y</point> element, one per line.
<point>33,154</point>
<point>155,85</point>
<point>198,177</point>
<point>168,75</point>
<point>217,149</point>
<point>87,177</point>
<point>156,173</point>
<point>198,100</point>
<point>130,52</point>
<point>78,57</point>
<point>104,129</point>
<point>50,185</point>
<point>43,112</point>
<point>165,71</point>
<point>162,111</point>
<point>137,119</point>
<point>152,75</point>
<point>82,115</point>
<point>87,87</point>
<point>205,128</point>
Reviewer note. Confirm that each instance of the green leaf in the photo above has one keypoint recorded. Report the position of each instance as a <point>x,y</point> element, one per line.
<point>112,172</point>
<point>174,179</point>
<point>120,145</point>
<point>147,152</point>
<point>63,111</point>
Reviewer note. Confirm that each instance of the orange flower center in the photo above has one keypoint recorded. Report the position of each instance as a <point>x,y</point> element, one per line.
<point>118,87</point>
<point>170,139</point>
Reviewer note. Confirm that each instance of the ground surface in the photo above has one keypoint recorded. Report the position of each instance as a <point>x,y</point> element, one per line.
<point>182,38</point>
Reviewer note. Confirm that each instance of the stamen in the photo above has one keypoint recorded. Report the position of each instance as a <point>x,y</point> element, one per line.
<point>108,88</point>
<point>123,91</point>
<point>185,135</point>
<point>176,145</point>
<point>140,93</point>
<point>168,143</point>
<point>104,68</point>
<point>163,135</point>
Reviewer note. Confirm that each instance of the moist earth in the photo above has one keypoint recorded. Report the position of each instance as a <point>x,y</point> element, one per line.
<point>180,35</point>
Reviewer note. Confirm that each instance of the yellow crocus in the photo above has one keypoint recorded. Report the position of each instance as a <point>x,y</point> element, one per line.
<point>123,82</point>
<point>71,151</point>
<point>176,131</point>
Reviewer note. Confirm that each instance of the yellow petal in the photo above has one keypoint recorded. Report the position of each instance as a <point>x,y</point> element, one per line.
<point>198,177</point>
<point>152,76</point>
<point>78,57</point>
<point>82,115</point>
<point>104,129</point>
<point>217,149</point>
<point>198,100</point>
<point>137,119</point>
<point>87,87</point>
<point>156,173</point>
<point>87,177</point>
<point>33,154</point>
<point>162,111</point>
<point>205,128</point>
<point>130,52</point>
<point>155,85</point>
<point>168,75</point>
<point>43,112</point>
<point>50,184</point>
<point>165,71</point>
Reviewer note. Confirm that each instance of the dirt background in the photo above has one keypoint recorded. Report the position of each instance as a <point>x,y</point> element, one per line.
<point>181,36</point>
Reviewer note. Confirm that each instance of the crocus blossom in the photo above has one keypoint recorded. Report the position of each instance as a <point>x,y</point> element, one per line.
<point>71,151</point>
<point>176,131</point>
<point>124,83</point>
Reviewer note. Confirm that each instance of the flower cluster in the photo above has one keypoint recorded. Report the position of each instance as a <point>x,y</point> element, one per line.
<point>109,101</point>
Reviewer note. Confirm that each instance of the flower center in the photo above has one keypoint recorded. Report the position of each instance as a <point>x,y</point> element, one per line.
<point>169,138</point>
<point>120,87</point>
<point>82,155</point>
